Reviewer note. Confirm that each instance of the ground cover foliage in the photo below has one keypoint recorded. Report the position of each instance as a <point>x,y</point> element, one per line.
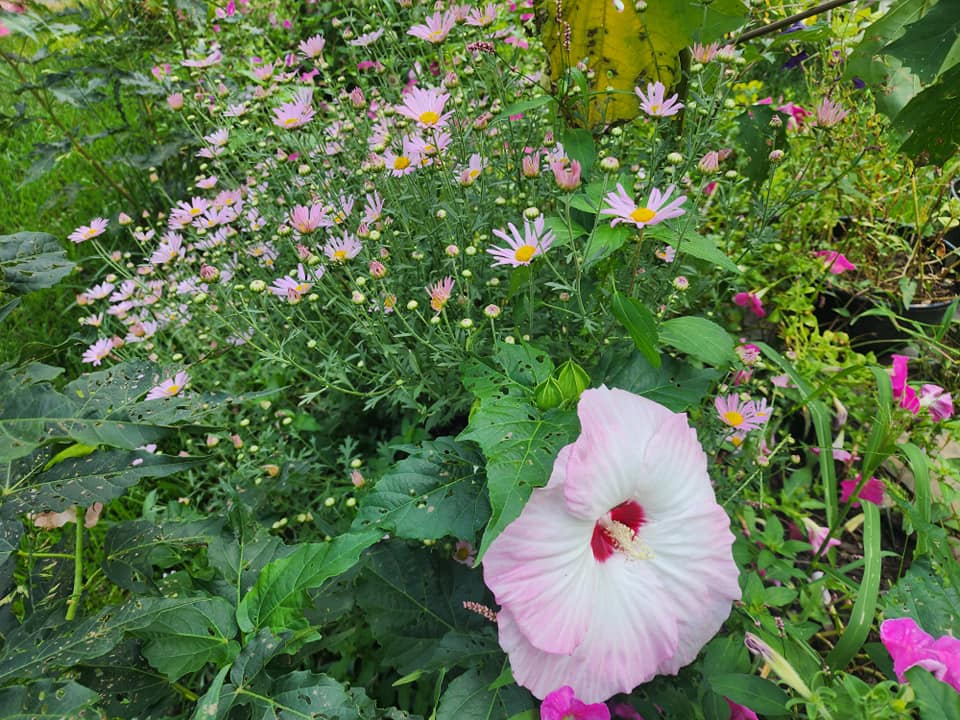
<point>354,310</point>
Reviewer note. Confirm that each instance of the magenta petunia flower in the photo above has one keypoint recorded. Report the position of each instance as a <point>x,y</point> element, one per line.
<point>909,646</point>
<point>97,226</point>
<point>612,574</point>
<point>752,301</point>
<point>653,102</point>
<point>522,248</point>
<point>425,107</point>
<point>740,712</point>
<point>169,388</point>
<point>624,209</point>
<point>872,491</point>
<point>835,262</point>
<point>562,704</point>
<point>901,391</point>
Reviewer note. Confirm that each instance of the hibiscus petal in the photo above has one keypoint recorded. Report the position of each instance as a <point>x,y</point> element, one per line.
<point>634,630</point>
<point>541,566</point>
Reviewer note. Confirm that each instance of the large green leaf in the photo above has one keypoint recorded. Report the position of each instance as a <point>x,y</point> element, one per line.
<point>48,700</point>
<point>937,699</point>
<point>675,384</point>
<point>470,697</point>
<point>240,556</point>
<point>31,261</point>
<point>759,695</point>
<point>757,139</point>
<point>414,603</point>
<point>640,323</point>
<point>924,595</point>
<point>700,338</point>
<point>932,118</point>
<point>435,492</point>
<point>183,638</point>
<point>930,45</point>
<point>280,593</point>
<point>127,685</point>
<point>519,441</point>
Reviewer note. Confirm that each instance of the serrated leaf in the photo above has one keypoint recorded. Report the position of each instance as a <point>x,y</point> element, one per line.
<point>675,384</point>
<point>699,338</point>
<point>31,261</point>
<point>469,697</point>
<point>183,638</point>
<point>435,492</point>
<point>930,45</point>
<point>519,441</point>
<point>48,700</point>
<point>280,593</point>
<point>127,686</point>
<point>640,323</point>
<point>240,557</point>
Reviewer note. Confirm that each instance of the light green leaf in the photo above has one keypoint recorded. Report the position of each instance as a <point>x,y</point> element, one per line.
<point>937,699</point>
<point>699,338</point>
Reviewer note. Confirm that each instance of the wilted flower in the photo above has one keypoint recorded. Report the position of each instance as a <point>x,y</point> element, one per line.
<point>440,293</point>
<point>830,113</point>
<point>611,575</point>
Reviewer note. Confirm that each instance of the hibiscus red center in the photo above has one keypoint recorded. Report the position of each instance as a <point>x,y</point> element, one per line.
<point>627,516</point>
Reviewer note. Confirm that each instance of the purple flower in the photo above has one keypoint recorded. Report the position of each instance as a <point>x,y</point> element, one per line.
<point>835,262</point>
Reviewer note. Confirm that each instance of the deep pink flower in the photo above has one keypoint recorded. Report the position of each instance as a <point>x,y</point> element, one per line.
<point>562,704</point>
<point>937,402</point>
<point>752,301</point>
<point>901,391</point>
<point>872,491</point>
<point>909,646</point>
<point>740,712</point>
<point>835,262</point>
<point>611,574</point>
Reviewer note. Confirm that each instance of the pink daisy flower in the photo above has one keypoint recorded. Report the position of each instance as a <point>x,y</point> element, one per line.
<point>562,704</point>
<point>440,293</point>
<point>367,38</point>
<point>169,388</point>
<point>481,17</point>
<point>307,219</point>
<point>653,103</point>
<point>404,162</point>
<point>704,53</point>
<point>212,59</point>
<point>98,351</point>
<point>312,46</point>
<point>835,262</point>
<point>657,209</point>
<point>343,248</point>
<point>96,227</point>
<point>565,174</point>
<point>293,288</point>
<point>473,170</point>
<point>425,107</point>
<point>610,575</point>
<point>741,415</point>
<point>522,248</point>
<point>295,113</point>
<point>435,29</point>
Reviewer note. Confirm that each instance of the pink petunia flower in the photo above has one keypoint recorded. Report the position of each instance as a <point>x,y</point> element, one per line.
<point>440,293</point>
<point>901,391</point>
<point>909,646</point>
<point>610,575</point>
<point>872,491</point>
<point>937,402</point>
<point>425,107</point>
<point>97,226</point>
<point>653,102</point>
<point>624,209</point>
<point>169,388</point>
<point>435,28</point>
<point>562,704</point>
<point>835,262</point>
<point>536,240</point>
<point>740,712</point>
<point>751,301</point>
<point>817,534</point>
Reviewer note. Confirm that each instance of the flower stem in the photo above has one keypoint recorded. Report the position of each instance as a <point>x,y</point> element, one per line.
<point>74,602</point>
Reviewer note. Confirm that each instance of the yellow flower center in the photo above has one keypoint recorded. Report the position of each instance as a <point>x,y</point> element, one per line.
<point>642,215</point>
<point>474,173</point>
<point>291,121</point>
<point>429,118</point>
<point>401,163</point>
<point>733,418</point>
<point>303,287</point>
<point>195,211</point>
<point>654,109</point>
<point>339,255</point>
<point>173,390</point>
<point>524,253</point>
<point>437,303</point>
<point>435,36</point>
<point>89,233</point>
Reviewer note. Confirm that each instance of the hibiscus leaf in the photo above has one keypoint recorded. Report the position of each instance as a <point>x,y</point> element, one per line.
<point>675,384</point>
<point>519,441</point>
<point>435,492</point>
<point>49,699</point>
<point>469,697</point>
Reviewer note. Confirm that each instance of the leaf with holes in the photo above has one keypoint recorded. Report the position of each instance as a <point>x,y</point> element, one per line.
<point>519,441</point>
<point>31,261</point>
<point>435,492</point>
<point>49,699</point>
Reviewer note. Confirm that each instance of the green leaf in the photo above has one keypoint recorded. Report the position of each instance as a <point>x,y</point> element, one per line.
<point>699,338</point>
<point>523,106</point>
<point>604,241</point>
<point>435,492</point>
<point>239,557</point>
<point>640,323</point>
<point>675,384</point>
<point>695,245</point>
<point>469,697</point>
<point>930,45</point>
<point>212,705</point>
<point>31,261</point>
<point>757,139</point>
<point>304,695</point>
<point>932,118</point>
<point>414,604</point>
<point>578,145</point>
<point>48,700</point>
<point>924,595</point>
<point>280,593</point>
<point>259,650</point>
<point>127,685</point>
<point>937,700</point>
<point>519,441</point>
<point>8,308</point>
<point>183,638</point>
<point>761,696</point>
<point>11,530</point>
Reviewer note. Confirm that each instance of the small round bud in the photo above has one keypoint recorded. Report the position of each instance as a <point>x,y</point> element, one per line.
<point>531,213</point>
<point>258,286</point>
<point>441,214</point>
<point>466,323</point>
<point>776,122</point>
<point>466,274</point>
<point>775,156</point>
<point>470,250</point>
<point>610,164</point>
<point>451,250</point>
<point>492,311</point>
<point>674,158</point>
<point>413,305</point>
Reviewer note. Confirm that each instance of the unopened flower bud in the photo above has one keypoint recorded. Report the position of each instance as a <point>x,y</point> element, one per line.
<point>610,164</point>
<point>674,158</point>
